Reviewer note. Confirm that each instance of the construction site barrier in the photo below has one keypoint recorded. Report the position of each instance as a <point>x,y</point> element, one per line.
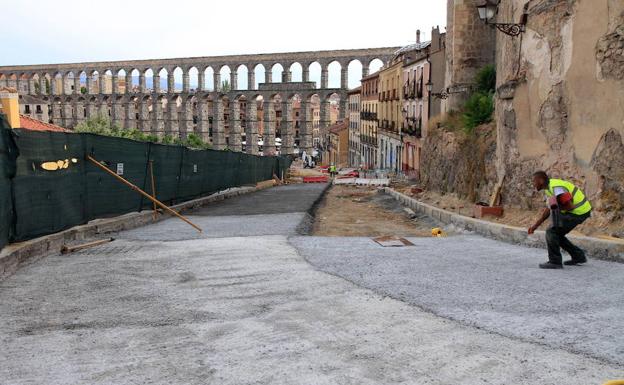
<point>48,185</point>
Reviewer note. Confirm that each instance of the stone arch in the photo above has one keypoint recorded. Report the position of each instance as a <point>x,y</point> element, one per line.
<point>107,82</point>
<point>173,112</point>
<point>81,109</point>
<point>148,79</point>
<point>209,78</point>
<point>34,84</point>
<point>162,84</point>
<point>56,106</point>
<point>225,73</point>
<point>144,114</point>
<point>22,83</point>
<point>277,73</point>
<point>294,102</point>
<point>354,73</point>
<point>333,74</point>
<point>104,107</point>
<point>296,72</point>
<point>242,72</point>
<point>193,78</point>
<point>159,108</point>
<point>175,80</point>
<point>375,65</point>
<point>314,73</point>
<point>135,80</point>
<point>259,71</point>
<point>56,86</point>
<point>119,84</point>
<point>82,79</point>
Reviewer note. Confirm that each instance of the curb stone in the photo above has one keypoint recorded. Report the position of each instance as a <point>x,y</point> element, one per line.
<point>603,249</point>
<point>16,255</point>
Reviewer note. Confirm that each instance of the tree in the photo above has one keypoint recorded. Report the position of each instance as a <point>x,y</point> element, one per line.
<point>102,125</point>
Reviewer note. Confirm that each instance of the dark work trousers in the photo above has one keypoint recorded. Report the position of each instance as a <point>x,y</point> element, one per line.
<point>556,238</point>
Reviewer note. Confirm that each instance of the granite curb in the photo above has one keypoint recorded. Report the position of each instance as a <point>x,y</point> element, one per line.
<point>603,249</point>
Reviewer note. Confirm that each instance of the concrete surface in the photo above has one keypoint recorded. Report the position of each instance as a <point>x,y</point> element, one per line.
<point>245,310</point>
<point>15,255</point>
<point>491,285</point>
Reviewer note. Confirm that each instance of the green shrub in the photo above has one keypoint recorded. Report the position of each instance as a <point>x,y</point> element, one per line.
<point>478,110</point>
<point>102,125</point>
<point>485,79</point>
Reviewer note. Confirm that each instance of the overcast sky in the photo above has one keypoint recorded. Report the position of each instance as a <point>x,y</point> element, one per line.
<point>65,31</point>
<point>42,31</point>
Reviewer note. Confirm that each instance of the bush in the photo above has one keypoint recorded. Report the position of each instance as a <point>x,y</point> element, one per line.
<point>486,79</point>
<point>478,110</point>
<point>102,125</point>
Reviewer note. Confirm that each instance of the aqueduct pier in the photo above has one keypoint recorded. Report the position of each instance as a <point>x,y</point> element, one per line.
<point>120,89</point>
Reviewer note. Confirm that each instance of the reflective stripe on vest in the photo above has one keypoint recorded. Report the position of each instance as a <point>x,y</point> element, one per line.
<point>580,204</point>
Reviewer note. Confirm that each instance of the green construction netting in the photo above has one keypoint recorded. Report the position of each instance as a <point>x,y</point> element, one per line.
<point>49,190</point>
<point>55,187</point>
<point>8,153</point>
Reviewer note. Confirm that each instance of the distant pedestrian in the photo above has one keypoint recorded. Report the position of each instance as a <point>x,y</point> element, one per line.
<point>568,207</point>
<point>332,170</point>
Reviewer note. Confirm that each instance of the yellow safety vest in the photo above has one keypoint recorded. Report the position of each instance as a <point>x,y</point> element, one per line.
<point>580,203</point>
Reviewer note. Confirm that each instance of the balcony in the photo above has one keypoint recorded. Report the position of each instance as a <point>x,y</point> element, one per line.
<point>368,115</point>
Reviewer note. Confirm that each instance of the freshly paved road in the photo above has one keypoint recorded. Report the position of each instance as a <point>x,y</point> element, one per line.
<point>242,306</point>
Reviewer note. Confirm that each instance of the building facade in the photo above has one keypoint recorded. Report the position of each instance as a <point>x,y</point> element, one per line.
<point>354,106</point>
<point>368,121</point>
<point>339,144</point>
<point>389,114</point>
<point>423,76</point>
<point>35,108</point>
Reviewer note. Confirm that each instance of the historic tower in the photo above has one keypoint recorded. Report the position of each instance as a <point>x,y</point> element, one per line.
<point>470,45</point>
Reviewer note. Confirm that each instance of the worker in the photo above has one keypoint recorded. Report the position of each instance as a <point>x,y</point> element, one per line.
<point>332,170</point>
<point>569,208</point>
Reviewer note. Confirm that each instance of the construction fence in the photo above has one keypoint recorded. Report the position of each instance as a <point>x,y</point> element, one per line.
<point>48,185</point>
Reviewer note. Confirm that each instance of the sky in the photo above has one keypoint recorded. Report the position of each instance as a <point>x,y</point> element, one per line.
<point>65,31</point>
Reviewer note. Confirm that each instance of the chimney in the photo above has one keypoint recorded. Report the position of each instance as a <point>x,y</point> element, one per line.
<point>418,36</point>
<point>9,106</point>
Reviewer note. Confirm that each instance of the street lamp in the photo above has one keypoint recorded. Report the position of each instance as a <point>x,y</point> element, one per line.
<point>439,95</point>
<point>487,13</point>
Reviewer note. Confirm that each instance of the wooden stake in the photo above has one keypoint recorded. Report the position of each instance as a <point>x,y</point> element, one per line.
<point>71,249</point>
<point>135,188</point>
<point>151,162</point>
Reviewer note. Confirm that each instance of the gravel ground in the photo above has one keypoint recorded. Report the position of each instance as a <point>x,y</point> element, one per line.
<point>491,285</point>
<point>250,310</point>
<point>352,211</point>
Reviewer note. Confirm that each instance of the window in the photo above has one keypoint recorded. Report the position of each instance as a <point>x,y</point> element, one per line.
<point>38,109</point>
<point>27,109</point>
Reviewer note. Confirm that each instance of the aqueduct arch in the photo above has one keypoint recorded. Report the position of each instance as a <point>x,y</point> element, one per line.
<point>184,103</point>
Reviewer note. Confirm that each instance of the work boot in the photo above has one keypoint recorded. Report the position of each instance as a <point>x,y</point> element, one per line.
<point>550,265</point>
<point>574,262</point>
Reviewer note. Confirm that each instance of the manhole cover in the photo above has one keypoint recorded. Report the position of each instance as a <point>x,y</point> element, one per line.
<point>392,241</point>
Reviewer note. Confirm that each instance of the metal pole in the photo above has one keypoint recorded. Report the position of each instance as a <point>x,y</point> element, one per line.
<point>135,188</point>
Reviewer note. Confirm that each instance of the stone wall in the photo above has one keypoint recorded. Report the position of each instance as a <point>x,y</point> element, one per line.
<point>454,162</point>
<point>560,100</point>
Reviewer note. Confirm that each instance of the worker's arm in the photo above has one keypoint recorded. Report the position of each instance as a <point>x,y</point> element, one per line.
<point>545,215</point>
